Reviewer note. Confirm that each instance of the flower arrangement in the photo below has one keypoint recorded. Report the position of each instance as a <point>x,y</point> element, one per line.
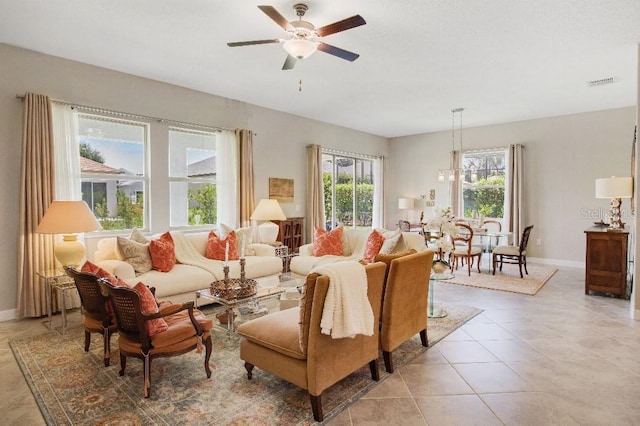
<point>444,222</point>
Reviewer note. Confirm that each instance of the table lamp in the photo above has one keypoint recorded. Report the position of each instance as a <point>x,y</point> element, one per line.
<point>268,210</point>
<point>68,218</point>
<point>615,188</point>
<point>406,204</point>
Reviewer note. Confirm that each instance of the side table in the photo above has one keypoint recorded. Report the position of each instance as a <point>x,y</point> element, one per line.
<point>62,283</point>
<point>433,312</point>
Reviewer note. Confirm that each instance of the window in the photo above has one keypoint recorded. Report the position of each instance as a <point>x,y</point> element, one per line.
<point>348,190</point>
<point>192,176</point>
<point>112,167</point>
<point>484,183</point>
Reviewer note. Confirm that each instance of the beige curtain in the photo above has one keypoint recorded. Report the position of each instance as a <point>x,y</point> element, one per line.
<point>246,186</point>
<point>315,191</point>
<point>515,183</point>
<point>455,186</point>
<point>35,251</point>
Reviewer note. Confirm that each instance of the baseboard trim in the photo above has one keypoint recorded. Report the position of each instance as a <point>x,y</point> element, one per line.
<point>557,262</point>
<point>8,315</point>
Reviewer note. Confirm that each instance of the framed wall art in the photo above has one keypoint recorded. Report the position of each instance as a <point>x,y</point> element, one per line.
<point>281,190</point>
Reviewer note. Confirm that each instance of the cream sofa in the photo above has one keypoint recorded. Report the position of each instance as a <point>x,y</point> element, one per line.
<point>180,284</point>
<point>353,246</point>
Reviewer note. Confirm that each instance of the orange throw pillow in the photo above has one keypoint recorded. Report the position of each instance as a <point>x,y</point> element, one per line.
<point>149,306</point>
<point>163,253</point>
<point>96,270</point>
<point>325,243</point>
<point>374,243</point>
<point>216,247</point>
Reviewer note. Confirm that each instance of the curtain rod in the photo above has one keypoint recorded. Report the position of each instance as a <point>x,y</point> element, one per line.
<point>137,116</point>
<point>350,154</point>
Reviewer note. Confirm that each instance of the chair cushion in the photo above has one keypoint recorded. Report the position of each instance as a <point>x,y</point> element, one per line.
<point>327,242</point>
<point>277,331</point>
<point>179,336</point>
<point>374,243</point>
<point>508,250</point>
<point>163,253</point>
<point>217,247</point>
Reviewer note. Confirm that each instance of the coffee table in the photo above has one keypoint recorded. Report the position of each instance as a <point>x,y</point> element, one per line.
<point>268,288</point>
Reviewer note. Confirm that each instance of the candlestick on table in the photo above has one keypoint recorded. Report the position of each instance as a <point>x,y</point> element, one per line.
<point>226,254</point>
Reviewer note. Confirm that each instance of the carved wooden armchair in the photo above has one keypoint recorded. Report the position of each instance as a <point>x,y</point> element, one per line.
<point>186,329</point>
<point>97,315</point>
<point>289,343</point>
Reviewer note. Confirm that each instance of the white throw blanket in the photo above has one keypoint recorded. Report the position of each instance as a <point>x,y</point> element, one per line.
<point>187,254</point>
<point>347,310</point>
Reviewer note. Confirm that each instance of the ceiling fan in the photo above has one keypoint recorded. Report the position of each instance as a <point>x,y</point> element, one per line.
<point>301,41</point>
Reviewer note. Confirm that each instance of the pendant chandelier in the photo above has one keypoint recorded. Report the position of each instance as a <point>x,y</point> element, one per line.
<point>452,172</point>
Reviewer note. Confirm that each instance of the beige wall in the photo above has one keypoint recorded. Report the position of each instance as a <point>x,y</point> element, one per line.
<point>563,157</point>
<point>279,148</point>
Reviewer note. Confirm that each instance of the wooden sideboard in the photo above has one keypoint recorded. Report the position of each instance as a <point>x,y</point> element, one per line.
<point>291,232</point>
<point>606,261</point>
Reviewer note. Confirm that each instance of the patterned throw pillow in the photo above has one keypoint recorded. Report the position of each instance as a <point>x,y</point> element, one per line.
<point>392,241</point>
<point>325,243</point>
<point>136,236</point>
<point>149,306</point>
<point>136,254</point>
<point>163,253</point>
<point>216,247</point>
<point>242,234</point>
<point>372,248</point>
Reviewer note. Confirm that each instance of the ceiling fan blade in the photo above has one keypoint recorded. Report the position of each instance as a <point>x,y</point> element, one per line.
<point>272,13</point>
<point>336,51</point>
<point>289,63</point>
<point>250,43</point>
<point>345,24</point>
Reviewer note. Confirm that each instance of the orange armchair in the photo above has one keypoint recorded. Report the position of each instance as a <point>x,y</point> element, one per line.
<point>289,343</point>
<point>187,329</point>
<point>404,304</point>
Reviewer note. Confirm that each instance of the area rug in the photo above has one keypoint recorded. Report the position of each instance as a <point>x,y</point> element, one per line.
<point>507,280</point>
<point>72,387</point>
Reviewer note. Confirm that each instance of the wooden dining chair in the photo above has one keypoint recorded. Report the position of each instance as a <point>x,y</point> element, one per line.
<point>463,249</point>
<point>513,254</point>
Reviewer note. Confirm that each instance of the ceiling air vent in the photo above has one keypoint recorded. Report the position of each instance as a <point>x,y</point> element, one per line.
<point>601,82</point>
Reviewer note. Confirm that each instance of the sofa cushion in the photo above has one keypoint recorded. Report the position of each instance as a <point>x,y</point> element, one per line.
<point>373,245</point>
<point>393,241</point>
<point>327,242</point>
<point>217,247</point>
<point>163,253</point>
<point>182,279</point>
<point>149,306</point>
<point>136,254</point>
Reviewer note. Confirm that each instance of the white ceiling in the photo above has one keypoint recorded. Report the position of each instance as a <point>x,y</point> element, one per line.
<point>501,60</point>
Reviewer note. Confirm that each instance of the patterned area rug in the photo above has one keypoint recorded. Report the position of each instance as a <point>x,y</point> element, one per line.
<point>74,388</point>
<point>507,280</point>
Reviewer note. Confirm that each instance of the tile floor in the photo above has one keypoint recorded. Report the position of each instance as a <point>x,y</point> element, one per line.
<point>557,358</point>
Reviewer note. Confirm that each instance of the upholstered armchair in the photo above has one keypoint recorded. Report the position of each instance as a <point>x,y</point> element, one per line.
<point>404,303</point>
<point>289,343</point>
<point>97,316</point>
<point>171,331</point>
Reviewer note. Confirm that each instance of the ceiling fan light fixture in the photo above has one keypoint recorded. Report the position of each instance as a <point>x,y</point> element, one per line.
<point>300,48</point>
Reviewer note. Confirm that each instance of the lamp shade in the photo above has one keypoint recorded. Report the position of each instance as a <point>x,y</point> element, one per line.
<point>268,209</point>
<point>68,217</point>
<point>300,48</point>
<point>614,187</point>
<point>406,203</point>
